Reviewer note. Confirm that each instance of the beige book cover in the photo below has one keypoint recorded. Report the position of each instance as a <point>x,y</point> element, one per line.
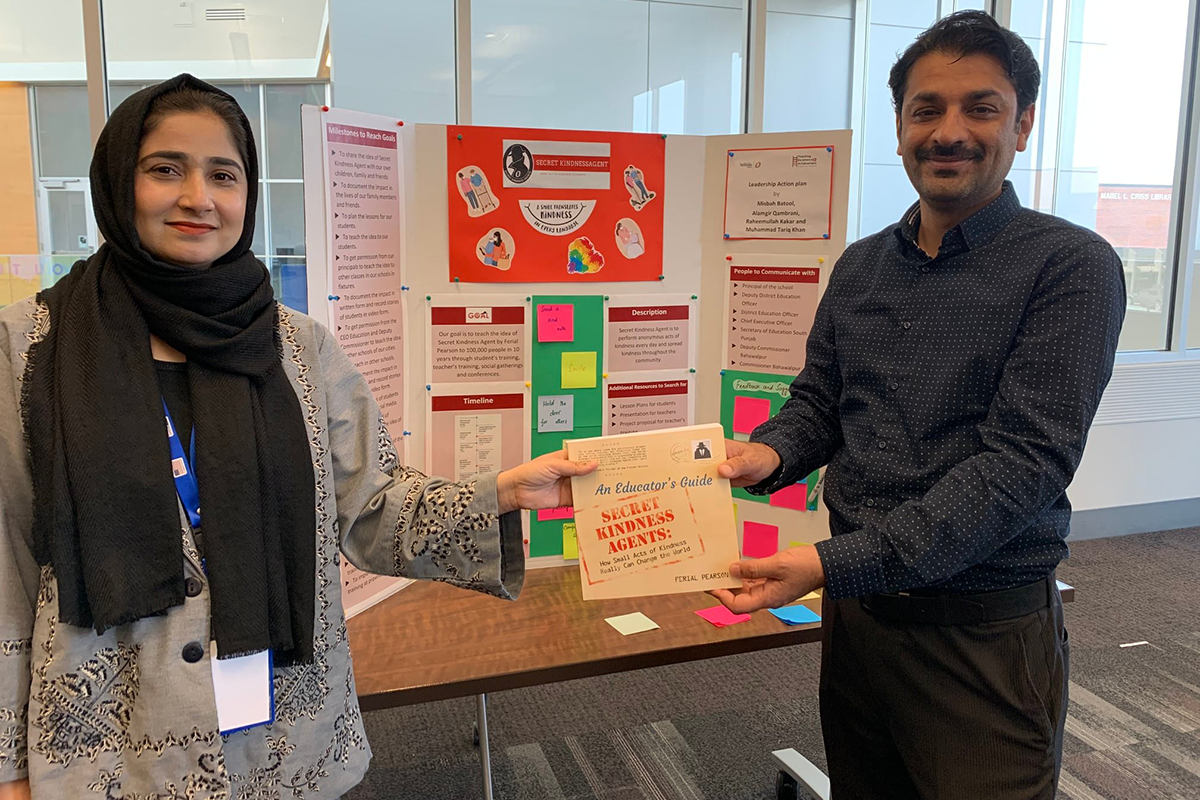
<point>654,517</point>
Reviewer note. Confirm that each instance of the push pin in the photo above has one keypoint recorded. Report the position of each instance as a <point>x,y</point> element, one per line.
<point>824,235</point>
<point>527,384</point>
<point>727,236</point>
<point>400,124</point>
<point>460,137</point>
<point>662,277</point>
<point>527,299</point>
<point>428,388</point>
<point>403,288</point>
<point>692,371</point>
<point>456,279</point>
<point>695,298</point>
<point>408,433</point>
<point>828,149</point>
<point>729,258</point>
<point>821,260</point>
<point>604,375</point>
<point>427,297</point>
<point>722,372</point>
<point>324,108</point>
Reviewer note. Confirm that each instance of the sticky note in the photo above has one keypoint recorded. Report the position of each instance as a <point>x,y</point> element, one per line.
<point>759,540</point>
<point>735,513</point>
<point>562,512</point>
<point>795,544</point>
<point>632,623</point>
<point>556,323</point>
<point>794,497</point>
<point>570,543</point>
<point>722,616</point>
<point>749,413</point>
<point>796,615</point>
<point>556,412</point>
<point>814,595</point>
<point>579,370</point>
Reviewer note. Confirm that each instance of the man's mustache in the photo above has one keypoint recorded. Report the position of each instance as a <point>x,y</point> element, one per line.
<point>926,153</point>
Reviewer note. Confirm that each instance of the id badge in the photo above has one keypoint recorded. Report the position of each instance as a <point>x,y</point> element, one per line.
<point>244,691</point>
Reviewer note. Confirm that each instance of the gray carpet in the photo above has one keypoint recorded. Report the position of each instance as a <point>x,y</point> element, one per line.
<point>704,730</point>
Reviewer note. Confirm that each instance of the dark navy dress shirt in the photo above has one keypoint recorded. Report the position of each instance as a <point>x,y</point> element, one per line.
<point>951,398</point>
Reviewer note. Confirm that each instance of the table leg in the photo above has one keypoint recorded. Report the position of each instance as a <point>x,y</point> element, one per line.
<point>485,752</point>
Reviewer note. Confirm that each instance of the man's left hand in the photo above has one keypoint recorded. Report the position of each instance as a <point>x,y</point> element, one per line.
<point>773,581</point>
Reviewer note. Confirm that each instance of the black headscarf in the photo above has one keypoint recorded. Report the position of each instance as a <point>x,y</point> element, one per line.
<point>106,514</point>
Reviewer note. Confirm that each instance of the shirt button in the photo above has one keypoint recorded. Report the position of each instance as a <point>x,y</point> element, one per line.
<point>193,652</point>
<point>924,269</point>
<point>870,502</point>
<point>906,325</point>
<point>894,386</point>
<point>882,444</point>
<point>192,587</point>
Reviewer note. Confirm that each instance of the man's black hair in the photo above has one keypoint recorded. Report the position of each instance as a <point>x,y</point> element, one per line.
<point>966,33</point>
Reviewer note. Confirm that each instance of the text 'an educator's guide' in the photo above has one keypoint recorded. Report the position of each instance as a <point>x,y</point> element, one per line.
<point>654,517</point>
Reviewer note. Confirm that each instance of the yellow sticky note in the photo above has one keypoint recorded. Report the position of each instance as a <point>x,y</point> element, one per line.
<point>815,595</point>
<point>735,513</point>
<point>798,544</point>
<point>579,370</point>
<point>570,543</point>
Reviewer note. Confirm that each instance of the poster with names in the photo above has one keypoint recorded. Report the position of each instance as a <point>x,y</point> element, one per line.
<point>364,219</point>
<point>770,311</point>
<point>779,193</point>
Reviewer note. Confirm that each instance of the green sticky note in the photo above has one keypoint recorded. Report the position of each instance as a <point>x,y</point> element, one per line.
<point>579,370</point>
<point>570,543</point>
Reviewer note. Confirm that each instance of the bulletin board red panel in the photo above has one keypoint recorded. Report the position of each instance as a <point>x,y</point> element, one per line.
<point>530,205</point>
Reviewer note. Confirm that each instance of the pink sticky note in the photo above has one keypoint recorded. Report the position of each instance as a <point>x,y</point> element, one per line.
<point>749,413</point>
<point>794,497</point>
<point>562,512</point>
<point>556,322</point>
<point>759,540</point>
<point>722,616</point>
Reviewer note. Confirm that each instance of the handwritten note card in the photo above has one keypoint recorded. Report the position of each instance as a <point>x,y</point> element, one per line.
<point>570,542</point>
<point>556,413</point>
<point>556,323</point>
<point>579,370</point>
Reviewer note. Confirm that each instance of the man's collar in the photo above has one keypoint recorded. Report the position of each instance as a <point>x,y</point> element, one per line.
<point>974,231</point>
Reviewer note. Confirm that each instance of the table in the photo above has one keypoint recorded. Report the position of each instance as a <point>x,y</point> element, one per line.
<point>458,643</point>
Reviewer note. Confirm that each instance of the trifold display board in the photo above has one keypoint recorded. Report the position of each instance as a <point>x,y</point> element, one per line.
<point>569,284</point>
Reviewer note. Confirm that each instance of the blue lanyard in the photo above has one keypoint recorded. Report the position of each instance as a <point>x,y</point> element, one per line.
<point>184,470</point>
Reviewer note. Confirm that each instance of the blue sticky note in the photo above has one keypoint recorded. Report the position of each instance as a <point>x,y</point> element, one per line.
<point>796,615</point>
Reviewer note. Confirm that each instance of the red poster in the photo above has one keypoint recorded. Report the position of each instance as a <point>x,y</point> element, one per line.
<point>530,205</point>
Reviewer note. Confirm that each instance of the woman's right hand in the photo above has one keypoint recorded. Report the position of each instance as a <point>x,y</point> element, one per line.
<point>15,790</point>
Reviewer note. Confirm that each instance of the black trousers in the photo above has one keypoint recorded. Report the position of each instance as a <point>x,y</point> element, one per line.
<point>943,712</point>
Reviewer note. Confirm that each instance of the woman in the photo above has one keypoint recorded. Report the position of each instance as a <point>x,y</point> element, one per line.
<point>118,583</point>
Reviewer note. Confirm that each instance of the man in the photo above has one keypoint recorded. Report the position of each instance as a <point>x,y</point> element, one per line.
<point>953,369</point>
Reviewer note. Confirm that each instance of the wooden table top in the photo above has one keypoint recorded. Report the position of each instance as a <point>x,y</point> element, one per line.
<point>432,641</point>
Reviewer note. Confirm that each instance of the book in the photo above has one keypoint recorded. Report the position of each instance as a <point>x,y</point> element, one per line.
<point>654,517</point>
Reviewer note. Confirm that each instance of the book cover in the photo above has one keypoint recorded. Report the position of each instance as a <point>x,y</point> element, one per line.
<point>654,517</point>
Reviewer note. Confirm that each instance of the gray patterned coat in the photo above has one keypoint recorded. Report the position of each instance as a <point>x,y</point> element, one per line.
<point>122,715</point>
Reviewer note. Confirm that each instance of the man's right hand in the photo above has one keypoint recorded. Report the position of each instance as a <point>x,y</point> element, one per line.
<point>747,463</point>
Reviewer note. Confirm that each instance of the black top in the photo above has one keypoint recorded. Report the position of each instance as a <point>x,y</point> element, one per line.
<point>951,398</point>
<point>173,383</point>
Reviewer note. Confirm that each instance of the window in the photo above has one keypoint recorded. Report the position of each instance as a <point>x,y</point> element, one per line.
<point>1117,179</point>
<point>656,66</point>
<point>809,63</point>
<point>400,63</point>
<point>45,226</point>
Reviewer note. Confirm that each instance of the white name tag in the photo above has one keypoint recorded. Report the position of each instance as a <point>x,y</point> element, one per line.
<point>245,696</point>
